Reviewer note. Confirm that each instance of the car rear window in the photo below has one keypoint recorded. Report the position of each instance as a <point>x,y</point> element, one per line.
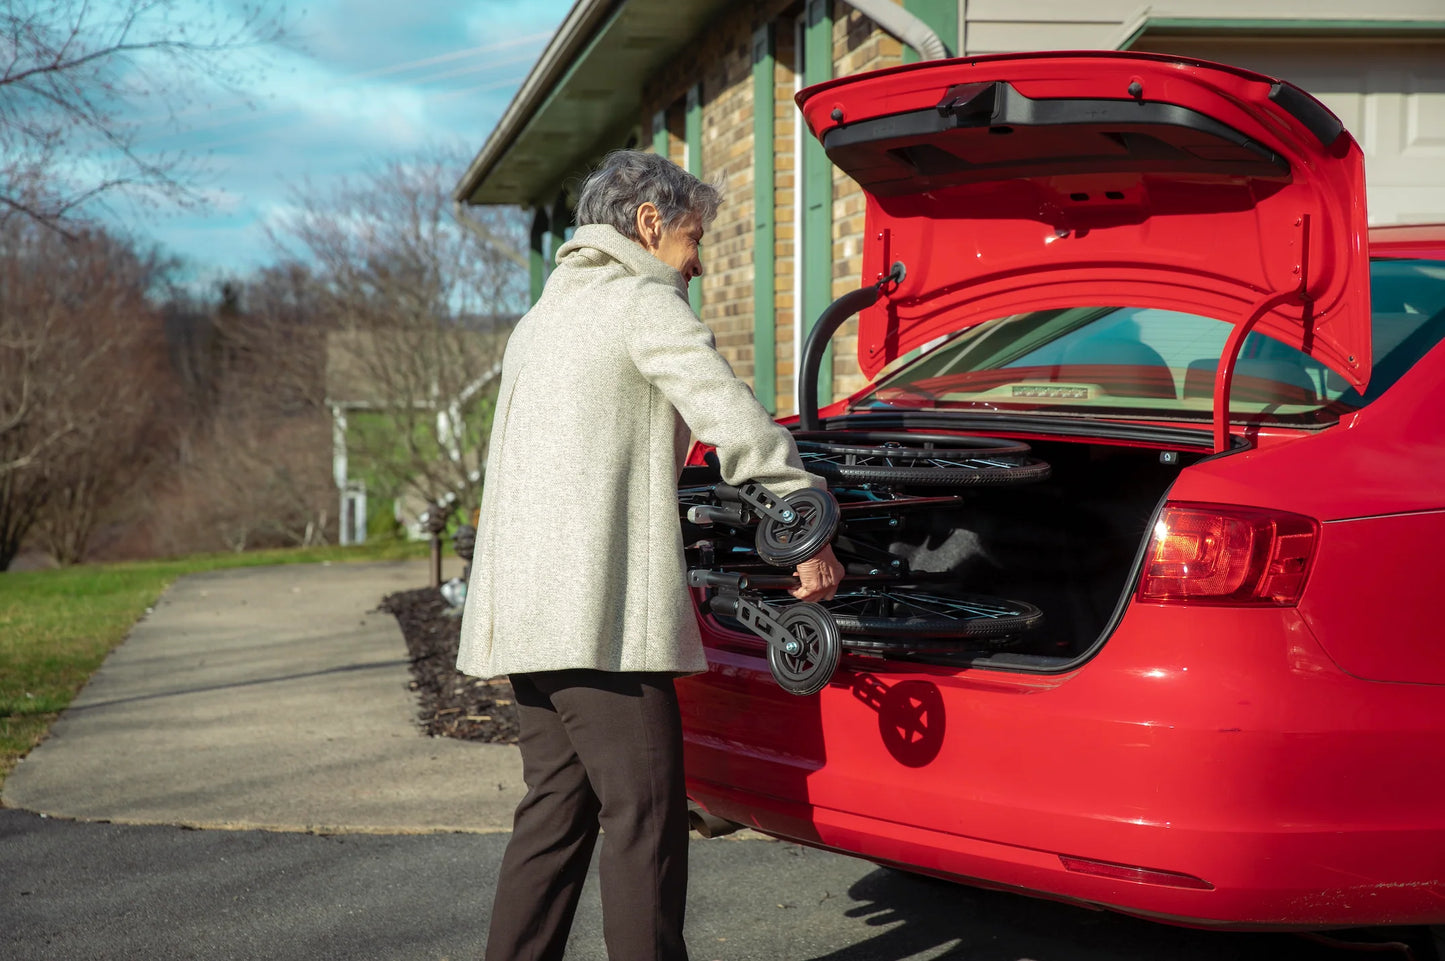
<point>1099,359</point>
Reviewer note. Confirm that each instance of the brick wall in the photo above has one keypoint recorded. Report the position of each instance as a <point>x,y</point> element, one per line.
<point>722,62</point>
<point>727,155</point>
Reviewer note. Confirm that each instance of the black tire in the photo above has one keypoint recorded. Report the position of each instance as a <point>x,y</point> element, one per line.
<point>939,461</point>
<point>787,545</point>
<point>868,442</point>
<point>912,615</point>
<point>810,670</point>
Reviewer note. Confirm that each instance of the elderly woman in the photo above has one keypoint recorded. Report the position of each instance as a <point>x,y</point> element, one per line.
<point>578,584</point>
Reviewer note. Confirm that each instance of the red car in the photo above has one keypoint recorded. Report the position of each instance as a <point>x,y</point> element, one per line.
<point>1227,706</point>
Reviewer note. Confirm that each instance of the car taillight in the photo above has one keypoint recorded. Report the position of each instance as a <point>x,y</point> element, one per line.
<point>1209,554</point>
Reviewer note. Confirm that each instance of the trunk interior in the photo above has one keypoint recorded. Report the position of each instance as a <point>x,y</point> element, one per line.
<point>1068,545</point>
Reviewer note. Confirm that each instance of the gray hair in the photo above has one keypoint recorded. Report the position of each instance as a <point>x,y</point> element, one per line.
<point>627,179</point>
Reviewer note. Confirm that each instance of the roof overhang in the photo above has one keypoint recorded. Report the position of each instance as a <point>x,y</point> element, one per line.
<point>582,97</point>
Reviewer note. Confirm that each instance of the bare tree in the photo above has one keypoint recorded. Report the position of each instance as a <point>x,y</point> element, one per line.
<point>75,77</point>
<point>253,481</point>
<point>422,306</point>
<point>254,464</point>
<point>79,353</point>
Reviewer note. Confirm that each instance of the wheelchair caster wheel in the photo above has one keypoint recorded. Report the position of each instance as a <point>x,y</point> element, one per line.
<point>815,521</point>
<point>816,647</point>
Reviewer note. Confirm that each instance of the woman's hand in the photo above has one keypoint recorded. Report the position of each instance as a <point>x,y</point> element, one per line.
<point>820,576</point>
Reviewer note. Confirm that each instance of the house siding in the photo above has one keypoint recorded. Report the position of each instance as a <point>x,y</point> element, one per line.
<point>1006,26</point>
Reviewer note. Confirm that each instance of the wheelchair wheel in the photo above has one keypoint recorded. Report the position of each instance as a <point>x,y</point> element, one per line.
<point>941,461</point>
<point>919,616</point>
<point>811,668</point>
<point>787,545</point>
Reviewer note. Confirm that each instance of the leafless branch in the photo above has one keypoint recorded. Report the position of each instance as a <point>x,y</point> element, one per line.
<point>73,77</point>
<point>423,304</point>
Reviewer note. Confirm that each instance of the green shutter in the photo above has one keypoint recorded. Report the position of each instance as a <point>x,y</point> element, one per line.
<point>537,257</point>
<point>941,16</point>
<point>817,191</point>
<point>765,321</point>
<point>693,133</point>
<point>659,133</point>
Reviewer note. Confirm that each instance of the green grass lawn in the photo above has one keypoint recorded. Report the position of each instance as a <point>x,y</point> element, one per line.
<point>57,626</point>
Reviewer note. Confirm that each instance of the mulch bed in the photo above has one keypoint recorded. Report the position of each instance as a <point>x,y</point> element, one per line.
<point>451,704</point>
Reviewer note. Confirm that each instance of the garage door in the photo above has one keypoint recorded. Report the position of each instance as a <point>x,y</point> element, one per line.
<point>1390,95</point>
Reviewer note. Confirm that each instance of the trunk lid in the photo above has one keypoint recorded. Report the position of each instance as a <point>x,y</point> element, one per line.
<point>1029,182</point>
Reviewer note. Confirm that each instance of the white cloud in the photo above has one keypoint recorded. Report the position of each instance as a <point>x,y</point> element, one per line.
<point>362,82</point>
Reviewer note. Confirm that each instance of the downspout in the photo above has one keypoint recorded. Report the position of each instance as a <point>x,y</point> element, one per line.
<point>903,26</point>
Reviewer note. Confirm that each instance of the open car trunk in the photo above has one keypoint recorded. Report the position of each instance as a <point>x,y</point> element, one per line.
<point>1069,545</point>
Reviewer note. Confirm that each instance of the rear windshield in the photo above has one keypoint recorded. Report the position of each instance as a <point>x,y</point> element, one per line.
<point>1161,363</point>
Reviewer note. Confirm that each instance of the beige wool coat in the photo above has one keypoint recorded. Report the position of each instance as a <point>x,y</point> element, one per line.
<point>579,559</point>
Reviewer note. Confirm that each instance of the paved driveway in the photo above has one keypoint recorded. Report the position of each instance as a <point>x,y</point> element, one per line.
<point>268,697</point>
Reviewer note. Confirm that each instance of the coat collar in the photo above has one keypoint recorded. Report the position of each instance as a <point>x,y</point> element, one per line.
<point>605,239</point>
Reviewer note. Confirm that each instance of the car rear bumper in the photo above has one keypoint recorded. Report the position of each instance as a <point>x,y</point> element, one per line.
<point>1263,894</point>
<point>1254,784</point>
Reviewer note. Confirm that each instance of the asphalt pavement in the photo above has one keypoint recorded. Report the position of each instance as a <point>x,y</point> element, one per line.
<point>245,778</point>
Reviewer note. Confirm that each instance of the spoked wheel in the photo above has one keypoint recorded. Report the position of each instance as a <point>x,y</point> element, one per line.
<point>919,617</point>
<point>814,524</point>
<point>917,460</point>
<point>810,669</point>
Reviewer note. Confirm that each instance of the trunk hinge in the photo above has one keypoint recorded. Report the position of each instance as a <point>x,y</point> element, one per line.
<point>1224,376</point>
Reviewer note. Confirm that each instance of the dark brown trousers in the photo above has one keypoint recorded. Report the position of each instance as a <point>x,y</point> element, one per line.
<point>598,749</point>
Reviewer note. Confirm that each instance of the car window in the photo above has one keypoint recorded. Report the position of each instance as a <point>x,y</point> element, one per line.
<point>1407,306</point>
<point>1163,362</point>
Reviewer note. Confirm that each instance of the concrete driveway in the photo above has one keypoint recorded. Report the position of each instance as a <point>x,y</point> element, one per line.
<point>268,697</point>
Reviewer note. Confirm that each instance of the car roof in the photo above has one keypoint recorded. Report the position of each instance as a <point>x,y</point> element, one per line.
<point>1409,240</point>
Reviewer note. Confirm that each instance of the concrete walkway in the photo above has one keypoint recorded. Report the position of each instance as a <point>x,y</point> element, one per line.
<point>271,698</point>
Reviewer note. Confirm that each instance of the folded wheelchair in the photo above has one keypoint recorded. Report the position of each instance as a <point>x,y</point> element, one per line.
<point>743,543</point>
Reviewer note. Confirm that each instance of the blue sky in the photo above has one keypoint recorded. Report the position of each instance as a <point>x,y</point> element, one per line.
<point>359,82</point>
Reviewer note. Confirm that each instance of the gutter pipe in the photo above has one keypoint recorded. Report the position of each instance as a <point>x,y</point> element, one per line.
<point>904,27</point>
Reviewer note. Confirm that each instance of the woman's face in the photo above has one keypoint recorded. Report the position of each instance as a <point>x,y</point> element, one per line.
<point>678,246</point>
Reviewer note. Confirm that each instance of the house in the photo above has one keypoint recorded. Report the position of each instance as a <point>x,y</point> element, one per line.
<point>710,83</point>
<point>409,409</point>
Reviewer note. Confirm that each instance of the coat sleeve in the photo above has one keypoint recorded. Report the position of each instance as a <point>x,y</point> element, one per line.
<point>676,353</point>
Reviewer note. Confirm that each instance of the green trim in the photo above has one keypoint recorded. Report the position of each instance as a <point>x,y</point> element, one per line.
<point>1194,26</point>
<point>561,221</point>
<point>659,133</point>
<point>816,195</point>
<point>941,17</point>
<point>765,319</point>
<point>537,257</point>
<point>692,133</point>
